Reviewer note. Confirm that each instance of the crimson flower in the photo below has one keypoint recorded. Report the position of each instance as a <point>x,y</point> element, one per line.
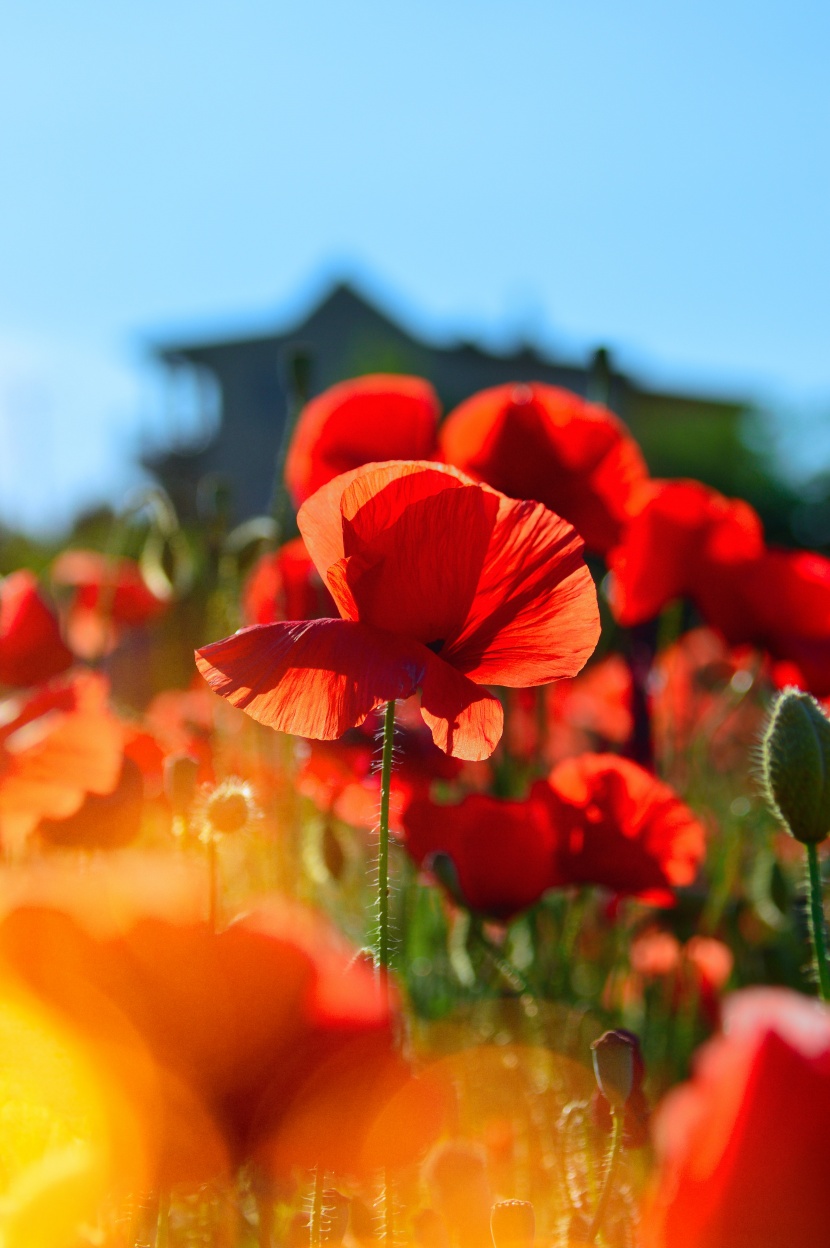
<point>619,827</point>
<point>685,541</point>
<point>367,420</point>
<point>31,647</point>
<point>742,1148</point>
<point>442,585</point>
<point>501,851</point>
<point>538,441</point>
<point>689,541</point>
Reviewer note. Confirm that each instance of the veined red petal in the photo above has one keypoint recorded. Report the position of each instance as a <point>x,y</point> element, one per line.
<point>327,519</point>
<point>464,719</point>
<point>315,678</point>
<point>418,575</point>
<point>534,617</point>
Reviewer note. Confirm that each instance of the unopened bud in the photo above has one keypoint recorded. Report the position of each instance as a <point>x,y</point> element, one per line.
<point>615,1057</point>
<point>795,754</point>
<point>513,1224</point>
<point>180,775</point>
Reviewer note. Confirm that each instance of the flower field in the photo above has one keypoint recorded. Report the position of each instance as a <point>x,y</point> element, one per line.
<point>466,891</point>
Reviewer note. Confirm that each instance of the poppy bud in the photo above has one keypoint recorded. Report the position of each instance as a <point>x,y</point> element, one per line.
<point>615,1060</point>
<point>513,1224</point>
<point>180,772</point>
<point>795,759</point>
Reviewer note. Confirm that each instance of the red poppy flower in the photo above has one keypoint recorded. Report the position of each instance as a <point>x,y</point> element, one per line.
<point>619,827</point>
<point>285,585</point>
<point>31,647</point>
<point>368,420</point>
<point>115,587</point>
<point>501,851</point>
<point>686,541</point>
<point>442,585</point>
<point>541,442</point>
<point>56,746</point>
<point>109,595</point>
<point>742,1148</point>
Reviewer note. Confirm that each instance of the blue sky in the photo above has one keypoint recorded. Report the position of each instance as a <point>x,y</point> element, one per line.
<point>652,176</point>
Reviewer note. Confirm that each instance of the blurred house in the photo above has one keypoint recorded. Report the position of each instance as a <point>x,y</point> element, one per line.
<point>242,386</point>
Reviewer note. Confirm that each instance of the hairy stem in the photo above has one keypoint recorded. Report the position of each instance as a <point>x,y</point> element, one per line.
<point>818,931</point>
<point>382,946</point>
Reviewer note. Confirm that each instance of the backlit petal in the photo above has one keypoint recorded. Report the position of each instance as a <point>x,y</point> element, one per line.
<point>534,618</point>
<point>316,678</point>
<point>465,720</point>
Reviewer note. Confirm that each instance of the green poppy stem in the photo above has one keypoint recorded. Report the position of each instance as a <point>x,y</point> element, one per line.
<point>382,944</point>
<point>818,932</point>
<point>618,1119</point>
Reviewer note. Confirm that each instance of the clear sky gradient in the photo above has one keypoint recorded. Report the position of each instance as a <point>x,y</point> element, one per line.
<point>652,176</point>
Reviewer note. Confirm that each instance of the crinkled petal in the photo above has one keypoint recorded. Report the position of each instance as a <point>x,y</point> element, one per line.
<point>418,575</point>
<point>464,719</point>
<point>534,617</point>
<point>316,678</point>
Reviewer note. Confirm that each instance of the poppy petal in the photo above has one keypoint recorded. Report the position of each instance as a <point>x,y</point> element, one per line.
<point>535,617</point>
<point>418,573</point>
<point>465,720</point>
<point>360,421</point>
<point>315,678</point>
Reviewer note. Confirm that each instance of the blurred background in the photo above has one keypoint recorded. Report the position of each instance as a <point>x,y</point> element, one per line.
<point>630,200</point>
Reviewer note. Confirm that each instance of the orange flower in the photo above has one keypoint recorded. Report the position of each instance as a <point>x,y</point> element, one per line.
<point>537,441</point>
<point>264,1040</point>
<point>56,746</point>
<point>368,420</point>
<point>442,585</point>
<point>31,647</point>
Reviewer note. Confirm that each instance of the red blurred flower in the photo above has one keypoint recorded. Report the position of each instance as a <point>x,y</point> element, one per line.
<point>541,442</point>
<point>684,542</point>
<point>443,585</point>
<point>368,420</point>
<point>501,851</point>
<point>31,647</point>
<point>285,585</point>
<point>689,541</point>
<point>742,1147</point>
<point>56,746</point>
<point>109,594</point>
<point>619,827</point>
<point>263,1040</point>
